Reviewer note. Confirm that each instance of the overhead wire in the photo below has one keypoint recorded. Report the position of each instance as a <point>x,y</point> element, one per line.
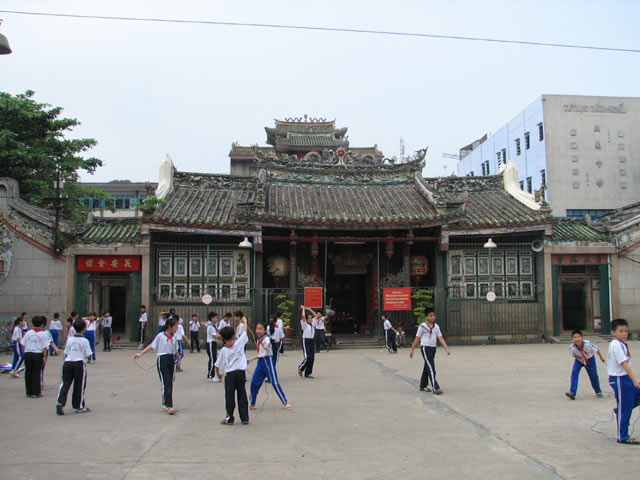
<point>325,29</point>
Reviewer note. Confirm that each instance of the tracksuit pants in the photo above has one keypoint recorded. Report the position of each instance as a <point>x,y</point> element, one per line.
<point>33,363</point>
<point>627,398</point>
<point>212,353</point>
<point>55,335</point>
<point>234,382</point>
<point>266,368</point>
<point>320,341</point>
<point>275,346</point>
<point>195,340</point>
<point>429,369</point>
<point>18,356</point>
<point>165,364</point>
<point>391,340</point>
<point>106,338</point>
<point>308,349</point>
<point>141,332</point>
<point>592,371</point>
<point>76,373</point>
<point>91,336</point>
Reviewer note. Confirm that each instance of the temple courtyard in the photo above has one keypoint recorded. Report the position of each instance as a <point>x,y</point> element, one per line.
<point>503,415</point>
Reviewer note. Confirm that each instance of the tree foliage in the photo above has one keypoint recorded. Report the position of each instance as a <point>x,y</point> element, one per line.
<point>33,146</point>
<point>422,299</point>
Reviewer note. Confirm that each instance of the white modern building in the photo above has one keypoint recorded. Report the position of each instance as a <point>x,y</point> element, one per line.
<point>581,152</point>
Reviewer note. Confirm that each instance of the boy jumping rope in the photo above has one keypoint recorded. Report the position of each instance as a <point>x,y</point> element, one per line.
<point>621,378</point>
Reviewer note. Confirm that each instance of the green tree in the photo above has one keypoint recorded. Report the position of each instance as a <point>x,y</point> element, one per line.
<point>33,148</point>
<point>422,299</point>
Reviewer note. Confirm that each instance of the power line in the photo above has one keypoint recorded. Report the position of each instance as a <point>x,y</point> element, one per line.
<point>326,29</point>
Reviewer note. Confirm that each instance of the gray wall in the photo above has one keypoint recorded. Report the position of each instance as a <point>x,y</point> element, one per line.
<point>629,288</point>
<point>36,283</point>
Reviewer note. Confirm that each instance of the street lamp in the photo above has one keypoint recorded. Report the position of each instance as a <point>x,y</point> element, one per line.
<point>5,49</point>
<point>491,295</point>
<point>245,243</point>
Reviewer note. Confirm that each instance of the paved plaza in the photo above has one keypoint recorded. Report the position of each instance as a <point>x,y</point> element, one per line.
<point>503,415</point>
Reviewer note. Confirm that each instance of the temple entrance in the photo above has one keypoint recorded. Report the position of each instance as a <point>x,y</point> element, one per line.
<point>573,306</point>
<point>347,296</point>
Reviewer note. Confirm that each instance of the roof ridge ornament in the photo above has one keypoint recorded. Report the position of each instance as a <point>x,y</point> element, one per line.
<point>165,178</point>
<point>509,173</point>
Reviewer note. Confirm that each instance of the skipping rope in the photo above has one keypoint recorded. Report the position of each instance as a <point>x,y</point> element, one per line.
<point>612,420</point>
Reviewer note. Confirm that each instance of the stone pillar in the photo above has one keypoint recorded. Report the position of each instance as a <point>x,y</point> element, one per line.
<point>406,267</point>
<point>293,267</point>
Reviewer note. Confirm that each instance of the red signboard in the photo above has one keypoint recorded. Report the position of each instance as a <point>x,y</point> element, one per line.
<point>108,263</point>
<point>313,297</point>
<point>394,299</point>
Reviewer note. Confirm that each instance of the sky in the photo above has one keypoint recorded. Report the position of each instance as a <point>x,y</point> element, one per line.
<point>145,89</point>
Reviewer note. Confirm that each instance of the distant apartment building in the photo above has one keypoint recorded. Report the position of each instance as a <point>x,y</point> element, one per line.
<point>127,197</point>
<point>581,152</point>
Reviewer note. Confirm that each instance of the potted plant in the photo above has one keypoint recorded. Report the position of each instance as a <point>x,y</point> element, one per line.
<point>422,299</point>
<point>284,305</point>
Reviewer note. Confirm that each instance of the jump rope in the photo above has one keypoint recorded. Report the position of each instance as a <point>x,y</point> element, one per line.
<point>257,411</point>
<point>612,420</point>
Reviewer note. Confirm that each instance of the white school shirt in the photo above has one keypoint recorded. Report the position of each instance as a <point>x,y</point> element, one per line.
<point>35,341</point>
<point>264,347</point>
<point>212,331</point>
<point>223,323</point>
<point>588,350</point>
<point>165,344</point>
<point>194,326</point>
<point>106,322</point>
<point>617,355</point>
<point>55,325</point>
<point>161,320</point>
<point>387,324</point>
<point>232,358</point>
<point>71,332</point>
<point>320,323</point>
<point>143,317</point>
<point>278,332</point>
<point>307,330</point>
<point>16,336</point>
<point>179,333</point>
<point>77,349</point>
<point>428,336</point>
<point>91,326</point>
<point>239,329</point>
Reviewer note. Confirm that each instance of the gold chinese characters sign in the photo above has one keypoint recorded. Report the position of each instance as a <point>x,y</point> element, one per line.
<point>108,263</point>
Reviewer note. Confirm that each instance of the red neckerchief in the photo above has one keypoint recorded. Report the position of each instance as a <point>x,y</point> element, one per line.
<point>169,337</point>
<point>625,346</point>
<point>581,350</point>
<point>37,329</point>
<point>229,345</point>
<point>430,328</point>
<point>259,343</point>
<point>78,335</point>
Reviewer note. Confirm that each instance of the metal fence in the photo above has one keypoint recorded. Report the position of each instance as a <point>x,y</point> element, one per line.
<point>6,329</point>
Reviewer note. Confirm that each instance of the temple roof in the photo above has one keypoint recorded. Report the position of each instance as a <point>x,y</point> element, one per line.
<point>575,229</point>
<point>207,200</point>
<point>112,231</point>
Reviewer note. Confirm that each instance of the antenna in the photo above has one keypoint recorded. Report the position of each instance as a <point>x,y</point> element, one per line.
<point>402,156</point>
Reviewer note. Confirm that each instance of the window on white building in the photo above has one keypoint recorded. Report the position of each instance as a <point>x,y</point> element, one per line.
<point>574,158</point>
<point>573,132</point>
<point>529,185</point>
<point>621,146</point>
<point>596,128</point>
<point>540,132</point>
<point>574,146</point>
<point>575,171</point>
<point>518,146</point>
<point>620,134</point>
<point>623,172</point>
<point>504,156</point>
<point>499,158</point>
<point>543,177</point>
<point>598,145</point>
<point>576,184</point>
<point>527,140</point>
<point>622,159</point>
<point>521,184</point>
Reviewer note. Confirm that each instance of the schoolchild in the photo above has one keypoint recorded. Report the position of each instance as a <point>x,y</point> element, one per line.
<point>212,345</point>
<point>107,321</point>
<point>427,334</point>
<point>389,334</point>
<point>179,335</point>
<point>54,328</point>
<point>240,322</point>
<point>142,323</point>
<point>277,337</point>
<point>233,362</point>
<point>165,346</point>
<point>35,343</point>
<point>308,344</point>
<point>194,327</point>
<point>225,321</point>
<point>91,326</point>
<point>68,323</point>
<point>74,371</point>
<point>18,349</point>
<point>584,354</point>
<point>265,368</point>
<point>622,379</point>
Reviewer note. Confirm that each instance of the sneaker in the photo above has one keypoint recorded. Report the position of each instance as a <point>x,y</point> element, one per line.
<point>570,395</point>
<point>172,411</point>
<point>215,379</point>
<point>226,421</point>
<point>59,409</point>
<point>252,407</point>
<point>425,389</point>
<point>246,423</point>
<point>599,395</point>
<point>438,392</point>
<point>83,410</point>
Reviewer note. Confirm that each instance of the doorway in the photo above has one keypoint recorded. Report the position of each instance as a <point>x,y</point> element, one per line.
<point>573,306</point>
<point>118,308</point>
<point>348,297</point>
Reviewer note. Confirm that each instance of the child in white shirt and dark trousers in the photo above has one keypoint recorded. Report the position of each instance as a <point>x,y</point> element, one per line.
<point>74,370</point>
<point>194,327</point>
<point>90,333</point>
<point>35,343</point>
<point>107,321</point>
<point>54,328</point>
<point>428,333</point>
<point>212,345</point>
<point>308,344</point>
<point>165,346</point>
<point>390,334</point>
<point>233,361</point>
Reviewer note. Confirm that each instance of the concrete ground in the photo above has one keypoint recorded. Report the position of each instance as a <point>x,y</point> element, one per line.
<point>503,415</point>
